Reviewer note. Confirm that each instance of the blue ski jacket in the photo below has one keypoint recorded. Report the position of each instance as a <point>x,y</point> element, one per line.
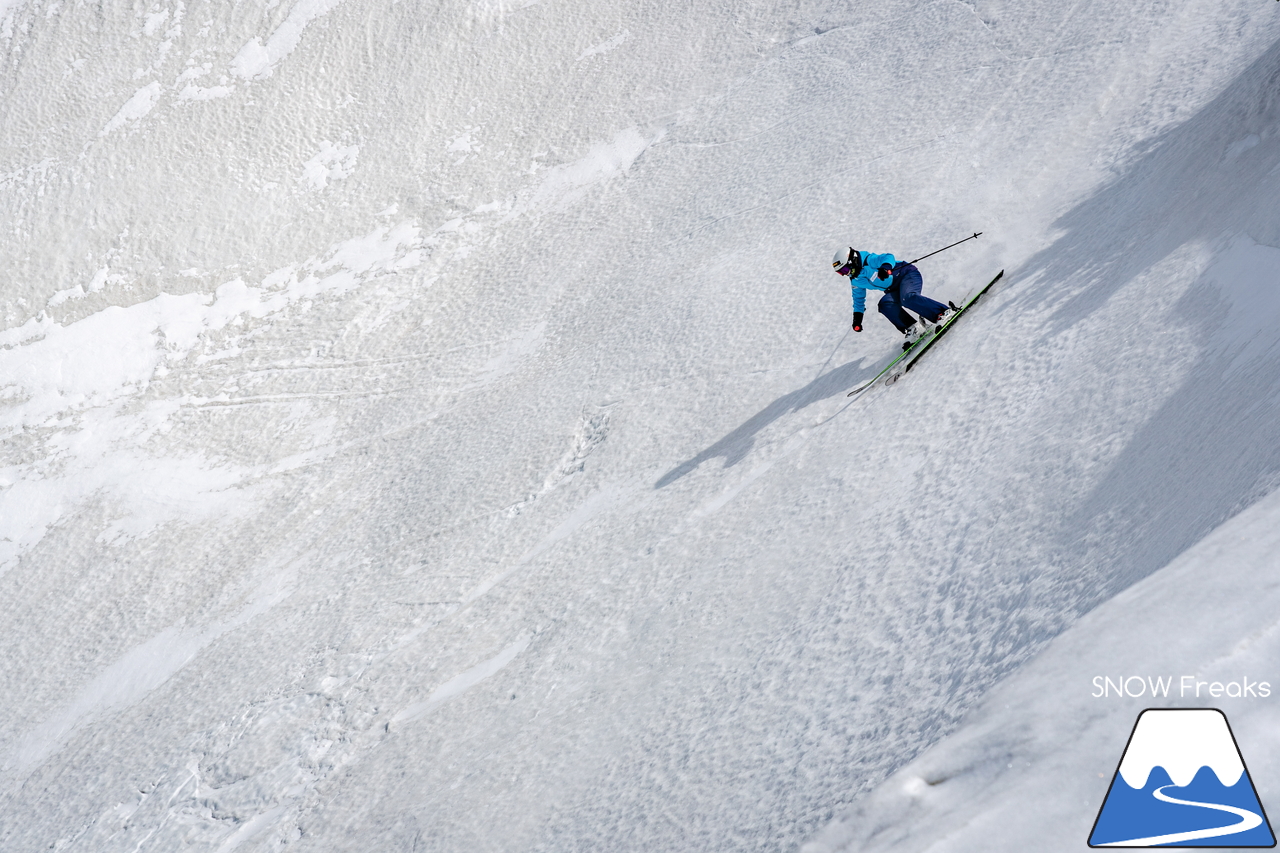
<point>869,278</point>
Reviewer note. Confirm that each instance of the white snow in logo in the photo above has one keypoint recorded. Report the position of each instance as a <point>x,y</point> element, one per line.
<point>256,60</point>
<point>1181,742</point>
<point>332,163</point>
<point>134,108</point>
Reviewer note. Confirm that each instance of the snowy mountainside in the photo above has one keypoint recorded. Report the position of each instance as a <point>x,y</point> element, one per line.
<point>424,424</point>
<point>1030,766</point>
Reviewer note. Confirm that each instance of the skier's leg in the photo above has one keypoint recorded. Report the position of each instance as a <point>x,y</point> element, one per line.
<point>925,307</point>
<point>911,297</point>
<point>893,312</point>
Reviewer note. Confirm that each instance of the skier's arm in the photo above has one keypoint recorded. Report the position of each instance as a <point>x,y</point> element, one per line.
<point>870,275</point>
<point>872,267</point>
<point>859,297</point>
<point>868,278</point>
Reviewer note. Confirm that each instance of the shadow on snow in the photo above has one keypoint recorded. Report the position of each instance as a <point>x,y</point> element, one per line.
<point>736,445</point>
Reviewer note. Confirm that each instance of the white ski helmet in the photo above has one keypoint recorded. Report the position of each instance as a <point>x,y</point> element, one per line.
<point>847,262</point>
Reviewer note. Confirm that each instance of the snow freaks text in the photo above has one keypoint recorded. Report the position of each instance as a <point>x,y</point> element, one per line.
<point>1183,687</point>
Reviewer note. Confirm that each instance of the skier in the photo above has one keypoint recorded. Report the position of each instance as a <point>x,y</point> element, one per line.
<point>901,284</point>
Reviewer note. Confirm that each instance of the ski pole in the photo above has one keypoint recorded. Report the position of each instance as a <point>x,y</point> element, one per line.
<point>944,248</point>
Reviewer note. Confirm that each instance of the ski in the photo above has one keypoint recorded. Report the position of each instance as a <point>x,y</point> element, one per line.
<point>947,325</point>
<point>921,346</point>
<point>864,386</point>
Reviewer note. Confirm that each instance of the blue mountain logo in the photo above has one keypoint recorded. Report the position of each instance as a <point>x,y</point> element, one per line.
<point>1182,783</point>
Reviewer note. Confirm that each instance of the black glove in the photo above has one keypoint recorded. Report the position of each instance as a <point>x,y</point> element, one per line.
<point>857,321</point>
<point>885,272</point>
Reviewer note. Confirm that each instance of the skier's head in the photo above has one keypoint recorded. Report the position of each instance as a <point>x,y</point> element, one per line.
<point>847,262</point>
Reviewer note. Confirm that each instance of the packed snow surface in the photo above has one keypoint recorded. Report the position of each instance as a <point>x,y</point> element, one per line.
<point>424,425</point>
<point>1031,766</point>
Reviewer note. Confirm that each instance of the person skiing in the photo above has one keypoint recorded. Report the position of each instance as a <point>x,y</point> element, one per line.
<point>901,284</point>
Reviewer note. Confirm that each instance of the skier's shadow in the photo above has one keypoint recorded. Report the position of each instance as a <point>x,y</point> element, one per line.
<point>736,445</point>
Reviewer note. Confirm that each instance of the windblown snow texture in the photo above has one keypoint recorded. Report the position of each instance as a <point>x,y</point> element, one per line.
<point>424,425</point>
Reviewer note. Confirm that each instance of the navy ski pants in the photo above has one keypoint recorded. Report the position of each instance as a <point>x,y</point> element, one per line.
<point>905,293</point>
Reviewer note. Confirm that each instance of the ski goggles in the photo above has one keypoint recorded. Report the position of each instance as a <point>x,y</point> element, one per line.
<point>852,267</point>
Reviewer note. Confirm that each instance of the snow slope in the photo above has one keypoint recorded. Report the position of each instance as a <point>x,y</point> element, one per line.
<point>1031,767</point>
<point>425,424</point>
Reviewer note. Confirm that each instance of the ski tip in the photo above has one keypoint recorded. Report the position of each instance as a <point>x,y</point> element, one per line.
<point>864,386</point>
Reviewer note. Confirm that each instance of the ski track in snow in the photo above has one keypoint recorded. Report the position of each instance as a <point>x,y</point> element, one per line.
<point>463,681</point>
<point>137,673</point>
<point>72,382</point>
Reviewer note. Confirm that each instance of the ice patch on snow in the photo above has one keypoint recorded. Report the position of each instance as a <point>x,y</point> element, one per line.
<point>462,144</point>
<point>192,92</point>
<point>75,380</point>
<point>94,361</point>
<point>100,280</point>
<point>61,296</point>
<point>331,164</point>
<point>8,8</point>
<point>155,20</point>
<point>134,109</point>
<point>252,828</point>
<point>198,93</point>
<point>566,184</point>
<point>256,61</point>
<point>104,458</point>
